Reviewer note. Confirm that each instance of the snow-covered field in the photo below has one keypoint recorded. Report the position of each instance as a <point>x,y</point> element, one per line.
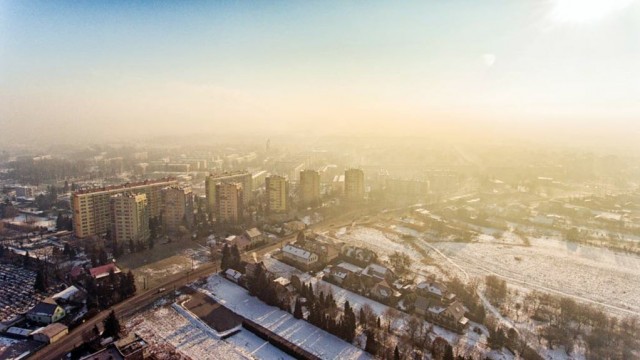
<point>587,273</point>
<point>164,326</point>
<point>281,322</point>
<point>385,244</point>
<point>183,261</point>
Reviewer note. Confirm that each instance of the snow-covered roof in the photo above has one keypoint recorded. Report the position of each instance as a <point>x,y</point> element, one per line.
<point>102,271</point>
<point>376,268</point>
<point>51,330</point>
<point>67,293</point>
<point>282,281</point>
<point>253,232</point>
<point>233,274</point>
<point>349,267</point>
<point>18,331</point>
<point>296,251</point>
<point>434,288</point>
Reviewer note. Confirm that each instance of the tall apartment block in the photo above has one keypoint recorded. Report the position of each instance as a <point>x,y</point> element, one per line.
<point>229,202</point>
<point>354,185</point>
<point>177,207</point>
<point>309,188</point>
<point>91,207</point>
<point>129,214</point>
<point>242,177</point>
<point>277,194</point>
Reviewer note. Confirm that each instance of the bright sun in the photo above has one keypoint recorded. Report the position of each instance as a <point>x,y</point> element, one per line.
<point>585,11</point>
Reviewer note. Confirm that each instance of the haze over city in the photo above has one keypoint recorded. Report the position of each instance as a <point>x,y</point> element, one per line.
<point>99,71</point>
<point>420,180</point>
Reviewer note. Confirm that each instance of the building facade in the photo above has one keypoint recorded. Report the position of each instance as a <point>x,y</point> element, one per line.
<point>277,194</point>
<point>229,202</point>
<point>129,218</point>
<point>91,208</point>
<point>177,207</point>
<point>242,177</point>
<point>309,188</point>
<point>354,185</point>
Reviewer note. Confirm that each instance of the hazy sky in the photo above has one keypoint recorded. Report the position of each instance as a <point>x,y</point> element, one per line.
<point>134,68</point>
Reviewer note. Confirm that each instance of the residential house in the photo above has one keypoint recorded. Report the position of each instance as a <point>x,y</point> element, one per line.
<point>342,271</point>
<point>104,271</point>
<point>70,296</point>
<point>383,292</point>
<point>451,317</point>
<point>284,289</point>
<point>46,312</point>
<point>50,333</point>
<point>378,273</point>
<point>436,291</point>
<point>253,235</point>
<point>299,255</point>
<point>326,252</point>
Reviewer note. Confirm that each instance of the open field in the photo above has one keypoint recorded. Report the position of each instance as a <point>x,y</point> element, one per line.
<point>586,273</point>
<point>164,260</point>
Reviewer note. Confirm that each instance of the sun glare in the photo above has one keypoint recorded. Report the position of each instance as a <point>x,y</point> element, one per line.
<point>585,11</point>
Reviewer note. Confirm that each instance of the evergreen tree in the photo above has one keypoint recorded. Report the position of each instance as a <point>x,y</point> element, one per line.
<point>297,312</point>
<point>396,354</point>
<point>226,258</point>
<point>26,260</point>
<point>60,223</point>
<point>127,285</point>
<point>448,353</point>
<point>41,281</point>
<point>111,326</point>
<point>102,257</point>
<point>235,257</point>
<point>300,239</point>
<point>371,345</point>
<point>349,323</point>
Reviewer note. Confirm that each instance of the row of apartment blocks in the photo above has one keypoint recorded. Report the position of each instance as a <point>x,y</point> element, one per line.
<point>126,209</point>
<point>229,193</point>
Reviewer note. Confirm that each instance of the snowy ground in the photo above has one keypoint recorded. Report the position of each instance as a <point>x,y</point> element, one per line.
<point>185,260</point>
<point>164,326</point>
<point>586,273</point>
<point>385,244</point>
<point>281,322</point>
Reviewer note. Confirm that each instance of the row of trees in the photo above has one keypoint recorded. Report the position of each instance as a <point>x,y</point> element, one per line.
<point>230,258</point>
<point>110,290</point>
<point>568,323</point>
<point>324,313</point>
<point>64,222</point>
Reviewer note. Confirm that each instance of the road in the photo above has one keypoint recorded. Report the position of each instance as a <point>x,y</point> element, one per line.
<point>123,310</point>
